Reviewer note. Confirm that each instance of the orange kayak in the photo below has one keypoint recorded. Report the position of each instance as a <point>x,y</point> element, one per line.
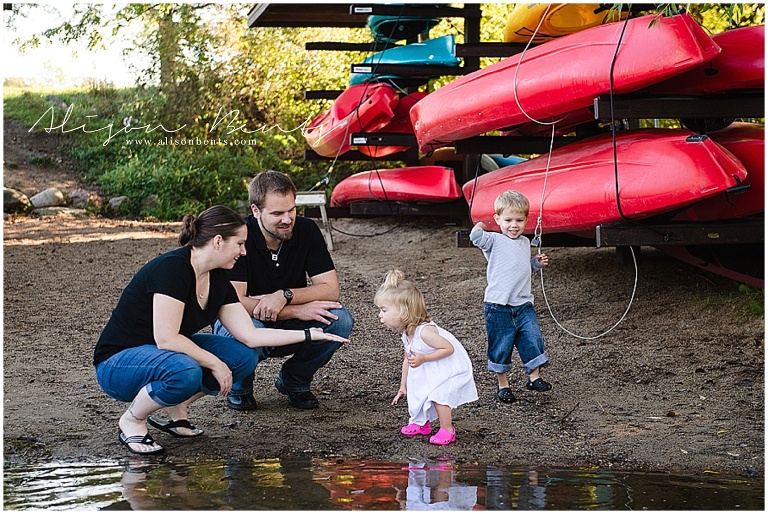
<point>554,20</point>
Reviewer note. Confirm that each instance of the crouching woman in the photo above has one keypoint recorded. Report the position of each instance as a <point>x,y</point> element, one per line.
<point>150,352</point>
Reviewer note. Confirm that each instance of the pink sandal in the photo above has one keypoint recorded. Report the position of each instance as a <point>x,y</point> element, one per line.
<point>416,429</point>
<point>443,437</point>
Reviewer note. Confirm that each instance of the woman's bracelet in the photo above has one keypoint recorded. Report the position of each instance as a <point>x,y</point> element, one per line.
<point>307,335</point>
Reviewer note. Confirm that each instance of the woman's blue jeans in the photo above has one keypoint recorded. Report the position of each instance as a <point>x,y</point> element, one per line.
<point>509,327</point>
<point>306,358</point>
<point>171,377</point>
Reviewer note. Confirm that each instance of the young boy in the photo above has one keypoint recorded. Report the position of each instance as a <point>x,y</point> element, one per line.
<point>509,316</point>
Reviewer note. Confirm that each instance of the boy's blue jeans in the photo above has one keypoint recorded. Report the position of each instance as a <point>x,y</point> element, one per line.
<point>509,327</point>
<point>306,358</point>
<point>171,377</point>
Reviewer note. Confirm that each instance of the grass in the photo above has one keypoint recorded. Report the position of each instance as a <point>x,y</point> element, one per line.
<point>752,297</point>
<point>745,299</point>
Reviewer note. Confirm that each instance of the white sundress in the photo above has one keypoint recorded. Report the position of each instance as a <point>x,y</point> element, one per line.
<point>447,381</point>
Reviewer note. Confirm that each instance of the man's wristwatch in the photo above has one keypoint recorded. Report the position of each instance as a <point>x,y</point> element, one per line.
<point>288,295</point>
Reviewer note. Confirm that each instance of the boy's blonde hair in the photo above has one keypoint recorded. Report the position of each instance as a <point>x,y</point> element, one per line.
<point>511,200</point>
<point>405,296</point>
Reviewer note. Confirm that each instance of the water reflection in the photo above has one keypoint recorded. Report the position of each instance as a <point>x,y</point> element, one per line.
<point>436,488</point>
<point>343,484</point>
<point>269,484</point>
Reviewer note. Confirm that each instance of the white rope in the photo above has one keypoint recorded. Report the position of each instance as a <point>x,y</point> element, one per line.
<point>517,68</point>
<point>537,233</point>
<point>589,338</point>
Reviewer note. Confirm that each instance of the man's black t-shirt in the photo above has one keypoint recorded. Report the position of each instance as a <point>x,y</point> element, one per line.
<point>170,274</point>
<point>304,254</point>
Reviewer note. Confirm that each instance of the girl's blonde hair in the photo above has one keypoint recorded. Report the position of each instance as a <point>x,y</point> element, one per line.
<point>405,296</point>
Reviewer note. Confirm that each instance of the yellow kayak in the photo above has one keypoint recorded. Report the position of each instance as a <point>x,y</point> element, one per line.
<point>559,20</point>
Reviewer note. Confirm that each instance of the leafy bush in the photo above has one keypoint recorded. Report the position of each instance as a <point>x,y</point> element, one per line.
<point>184,181</point>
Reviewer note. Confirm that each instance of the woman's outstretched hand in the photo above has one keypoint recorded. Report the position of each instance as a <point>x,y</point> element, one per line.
<point>319,335</point>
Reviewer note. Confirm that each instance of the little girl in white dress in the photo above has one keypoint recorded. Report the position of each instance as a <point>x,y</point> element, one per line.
<point>437,373</point>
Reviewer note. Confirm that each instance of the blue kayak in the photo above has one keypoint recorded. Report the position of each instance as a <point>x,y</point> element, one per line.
<point>506,160</point>
<point>395,28</point>
<point>440,51</point>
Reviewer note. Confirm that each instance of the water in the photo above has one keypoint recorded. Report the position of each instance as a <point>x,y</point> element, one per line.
<point>340,484</point>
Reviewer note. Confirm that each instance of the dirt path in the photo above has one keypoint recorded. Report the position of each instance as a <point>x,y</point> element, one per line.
<point>679,385</point>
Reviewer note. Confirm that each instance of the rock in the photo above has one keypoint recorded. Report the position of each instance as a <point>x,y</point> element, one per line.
<point>58,102</point>
<point>116,203</point>
<point>243,207</point>
<point>150,202</point>
<point>84,198</point>
<point>61,212</point>
<point>42,160</point>
<point>51,197</point>
<point>15,201</point>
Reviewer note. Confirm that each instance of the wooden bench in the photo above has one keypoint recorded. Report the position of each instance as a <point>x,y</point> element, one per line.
<point>317,199</point>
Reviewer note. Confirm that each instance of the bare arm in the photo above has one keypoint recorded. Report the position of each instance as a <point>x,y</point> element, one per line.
<point>325,286</point>
<point>167,313</point>
<point>309,303</point>
<point>236,320</point>
<point>403,381</point>
<point>443,347</point>
<point>248,302</point>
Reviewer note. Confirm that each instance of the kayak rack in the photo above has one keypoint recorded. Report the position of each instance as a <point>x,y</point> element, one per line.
<point>741,105</point>
<point>741,231</point>
<point>625,234</point>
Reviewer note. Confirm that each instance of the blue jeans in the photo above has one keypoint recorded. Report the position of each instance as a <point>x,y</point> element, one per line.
<point>509,327</point>
<point>171,377</point>
<point>297,372</point>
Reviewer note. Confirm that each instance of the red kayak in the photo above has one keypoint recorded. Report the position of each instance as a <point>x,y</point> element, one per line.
<point>741,65</point>
<point>566,123</point>
<point>400,124</point>
<point>658,171</point>
<point>747,142</point>
<point>561,76</point>
<point>361,108</point>
<point>434,184</point>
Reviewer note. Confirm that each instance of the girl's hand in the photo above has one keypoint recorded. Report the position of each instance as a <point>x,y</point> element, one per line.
<point>415,360</point>
<point>319,335</point>
<point>543,259</point>
<point>400,394</point>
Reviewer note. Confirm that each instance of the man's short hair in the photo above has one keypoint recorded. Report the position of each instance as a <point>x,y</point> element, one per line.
<point>269,182</point>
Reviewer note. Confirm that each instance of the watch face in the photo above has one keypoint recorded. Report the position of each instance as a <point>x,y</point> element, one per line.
<point>288,294</point>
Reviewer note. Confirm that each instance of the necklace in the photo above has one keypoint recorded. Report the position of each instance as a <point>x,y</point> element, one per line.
<point>203,286</point>
<point>275,254</point>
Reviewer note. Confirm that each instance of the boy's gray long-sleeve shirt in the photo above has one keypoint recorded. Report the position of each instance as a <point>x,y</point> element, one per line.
<point>509,267</point>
